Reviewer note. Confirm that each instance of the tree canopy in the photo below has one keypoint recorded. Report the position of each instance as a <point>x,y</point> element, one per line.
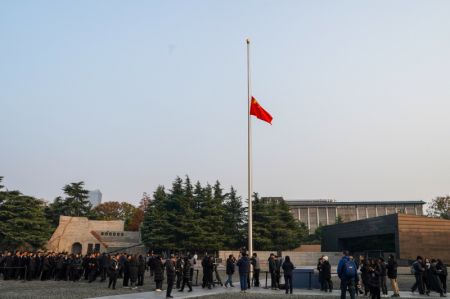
<point>114,210</point>
<point>22,221</point>
<point>440,207</point>
<point>206,218</point>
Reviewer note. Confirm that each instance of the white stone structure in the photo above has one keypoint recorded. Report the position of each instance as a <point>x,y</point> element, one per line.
<point>81,235</point>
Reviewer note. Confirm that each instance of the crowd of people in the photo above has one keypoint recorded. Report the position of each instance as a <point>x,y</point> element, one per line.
<point>368,277</point>
<point>24,265</point>
<point>365,277</point>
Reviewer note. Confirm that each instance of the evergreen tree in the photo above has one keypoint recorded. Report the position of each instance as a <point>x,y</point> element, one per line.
<point>212,219</point>
<point>54,210</point>
<point>76,200</point>
<point>274,227</point>
<point>191,228</point>
<point>22,221</point>
<point>262,225</point>
<point>234,229</point>
<point>153,232</point>
<point>198,239</point>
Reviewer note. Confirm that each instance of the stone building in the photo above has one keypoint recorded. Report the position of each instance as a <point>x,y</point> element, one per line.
<point>326,212</point>
<point>81,235</point>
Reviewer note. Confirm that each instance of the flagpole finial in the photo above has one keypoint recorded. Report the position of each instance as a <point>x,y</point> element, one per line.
<point>247,40</point>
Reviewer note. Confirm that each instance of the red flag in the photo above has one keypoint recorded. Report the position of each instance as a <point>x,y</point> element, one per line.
<point>259,112</point>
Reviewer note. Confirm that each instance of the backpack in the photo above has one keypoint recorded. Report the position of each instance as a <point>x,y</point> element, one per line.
<point>413,268</point>
<point>349,269</point>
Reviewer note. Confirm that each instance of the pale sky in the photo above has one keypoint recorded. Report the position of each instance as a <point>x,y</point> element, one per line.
<point>126,95</point>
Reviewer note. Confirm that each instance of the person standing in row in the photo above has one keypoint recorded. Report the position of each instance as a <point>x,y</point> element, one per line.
<point>272,270</point>
<point>288,267</point>
<point>391,268</point>
<point>158,269</point>
<point>244,266</point>
<point>186,275</point>
<point>256,269</point>
<point>141,270</point>
<point>442,268</point>
<point>347,273</point>
<point>326,269</point>
<point>418,271</point>
<point>170,273</point>
<point>382,270</point>
<point>133,268</point>
<point>113,271</point>
<point>230,270</point>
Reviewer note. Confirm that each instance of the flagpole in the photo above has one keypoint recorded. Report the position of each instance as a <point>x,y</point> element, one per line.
<point>250,174</point>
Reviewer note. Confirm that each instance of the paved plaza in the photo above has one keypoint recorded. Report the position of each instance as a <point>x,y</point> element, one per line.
<point>252,293</point>
<point>82,289</point>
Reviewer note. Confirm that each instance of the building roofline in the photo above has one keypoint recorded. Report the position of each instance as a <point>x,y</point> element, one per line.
<point>349,203</point>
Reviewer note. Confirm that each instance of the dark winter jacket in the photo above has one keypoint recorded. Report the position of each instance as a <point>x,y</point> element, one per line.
<point>432,276</point>
<point>392,269</point>
<point>170,268</point>
<point>243,265</point>
<point>133,265</point>
<point>187,269</point>
<point>326,269</point>
<point>158,268</point>
<point>272,265</point>
<point>141,265</point>
<point>374,277</point>
<point>288,267</point>
<point>230,266</point>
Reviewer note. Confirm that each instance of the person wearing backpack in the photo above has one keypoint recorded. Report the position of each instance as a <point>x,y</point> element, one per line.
<point>347,274</point>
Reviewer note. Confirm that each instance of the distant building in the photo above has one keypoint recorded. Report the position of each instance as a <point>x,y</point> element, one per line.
<point>326,212</point>
<point>81,235</point>
<point>95,197</point>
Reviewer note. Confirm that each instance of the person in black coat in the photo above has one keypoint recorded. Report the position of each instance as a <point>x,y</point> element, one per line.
<point>365,275</point>
<point>158,273</point>
<point>382,270</point>
<point>103,261</point>
<point>46,268</point>
<point>170,272</point>
<point>186,275</point>
<point>288,267</point>
<point>133,270</point>
<point>141,270</point>
<point>326,268</point>
<point>77,270</point>
<point>31,270</point>
<point>126,270</point>
<point>113,271</point>
<point>272,270</point>
<point>179,271</point>
<point>320,269</point>
<point>230,270</point>
<point>93,268</point>
<point>442,270</point>
<point>391,268</point>
<point>374,279</point>
<point>150,263</point>
<point>434,283</point>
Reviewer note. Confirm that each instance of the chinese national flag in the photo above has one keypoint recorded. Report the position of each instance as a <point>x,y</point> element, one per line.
<point>259,112</point>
